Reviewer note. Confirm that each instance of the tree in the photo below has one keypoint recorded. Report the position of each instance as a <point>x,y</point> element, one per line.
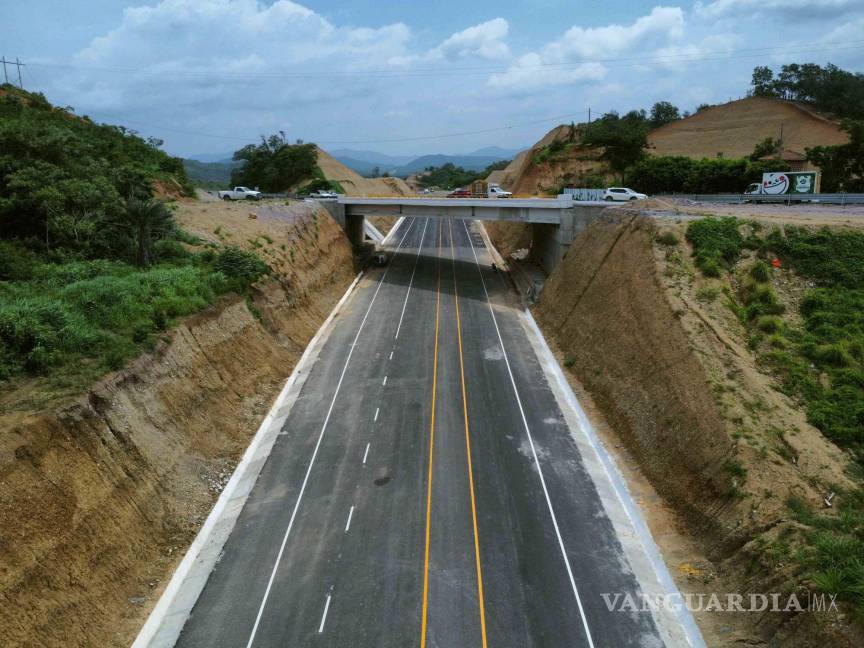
<point>624,139</point>
<point>663,112</point>
<point>146,221</point>
<point>763,81</point>
<point>843,165</point>
<point>274,164</point>
<point>768,146</point>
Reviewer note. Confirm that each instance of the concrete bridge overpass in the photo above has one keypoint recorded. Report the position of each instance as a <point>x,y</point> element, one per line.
<point>555,222</point>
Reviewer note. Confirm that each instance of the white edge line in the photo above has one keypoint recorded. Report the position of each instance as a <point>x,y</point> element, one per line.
<point>411,282</point>
<point>533,450</point>
<point>348,523</point>
<point>694,636</point>
<point>207,537</point>
<point>315,451</point>
<point>324,616</point>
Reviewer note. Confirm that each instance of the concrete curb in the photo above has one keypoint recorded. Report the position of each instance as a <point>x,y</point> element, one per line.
<point>166,620</point>
<point>554,373</point>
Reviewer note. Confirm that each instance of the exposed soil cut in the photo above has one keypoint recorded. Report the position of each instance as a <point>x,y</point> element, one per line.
<point>103,491</point>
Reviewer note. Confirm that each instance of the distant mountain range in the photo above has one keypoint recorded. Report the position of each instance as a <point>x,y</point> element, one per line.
<point>215,168</point>
<point>364,162</point>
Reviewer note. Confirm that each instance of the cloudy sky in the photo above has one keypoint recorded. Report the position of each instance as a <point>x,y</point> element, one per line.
<point>208,76</point>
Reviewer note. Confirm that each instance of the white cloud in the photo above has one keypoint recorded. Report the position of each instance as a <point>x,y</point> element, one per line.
<point>205,34</point>
<point>782,9</point>
<point>563,61</point>
<point>485,40</point>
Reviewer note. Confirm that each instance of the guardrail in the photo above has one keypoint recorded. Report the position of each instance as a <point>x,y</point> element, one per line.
<point>841,199</point>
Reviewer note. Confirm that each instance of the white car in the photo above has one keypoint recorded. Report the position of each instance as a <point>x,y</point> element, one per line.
<point>240,193</point>
<point>324,194</point>
<point>495,191</point>
<point>622,194</point>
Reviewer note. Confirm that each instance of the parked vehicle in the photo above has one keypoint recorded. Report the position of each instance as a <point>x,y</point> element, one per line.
<point>324,194</point>
<point>784,183</point>
<point>622,194</point>
<point>483,189</point>
<point>240,193</point>
<point>380,259</point>
<point>459,193</point>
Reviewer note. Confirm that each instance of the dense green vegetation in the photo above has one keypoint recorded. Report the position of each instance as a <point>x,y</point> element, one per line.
<point>828,89</point>
<point>624,139</point>
<point>820,364</point>
<point>58,314</point>
<point>678,174</point>
<point>92,268</point>
<point>63,178</point>
<point>842,165</point>
<point>276,165</point>
<point>450,176</point>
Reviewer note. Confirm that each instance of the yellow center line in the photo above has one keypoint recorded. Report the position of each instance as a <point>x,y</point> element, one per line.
<point>431,451</point>
<point>468,446</point>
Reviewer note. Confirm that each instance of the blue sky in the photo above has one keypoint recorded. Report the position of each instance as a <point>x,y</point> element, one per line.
<point>208,75</point>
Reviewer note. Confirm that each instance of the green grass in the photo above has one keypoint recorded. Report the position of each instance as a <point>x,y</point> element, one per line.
<point>717,243</point>
<point>105,311</point>
<point>834,554</point>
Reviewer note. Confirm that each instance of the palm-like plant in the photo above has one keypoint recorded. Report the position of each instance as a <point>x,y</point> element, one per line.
<point>146,220</point>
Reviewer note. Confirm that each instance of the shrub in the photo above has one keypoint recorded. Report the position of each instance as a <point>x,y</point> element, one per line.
<point>769,323</point>
<point>668,238</point>
<point>239,264</point>
<point>760,271</point>
<point>707,294</point>
<point>716,243</point>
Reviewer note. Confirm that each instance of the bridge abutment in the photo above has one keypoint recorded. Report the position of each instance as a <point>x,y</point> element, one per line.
<point>550,242</point>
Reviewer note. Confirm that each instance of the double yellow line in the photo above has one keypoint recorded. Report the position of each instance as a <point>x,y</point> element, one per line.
<point>467,448</point>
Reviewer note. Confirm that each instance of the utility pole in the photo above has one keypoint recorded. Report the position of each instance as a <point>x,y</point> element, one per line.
<point>17,64</point>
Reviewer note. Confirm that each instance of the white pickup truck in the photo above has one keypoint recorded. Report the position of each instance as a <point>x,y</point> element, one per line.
<point>240,193</point>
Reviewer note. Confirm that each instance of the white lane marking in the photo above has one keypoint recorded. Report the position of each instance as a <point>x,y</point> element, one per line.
<point>391,355</point>
<point>411,282</point>
<point>376,414</point>
<point>384,382</point>
<point>533,449</point>
<point>324,616</point>
<point>366,454</point>
<point>348,523</point>
<point>315,452</point>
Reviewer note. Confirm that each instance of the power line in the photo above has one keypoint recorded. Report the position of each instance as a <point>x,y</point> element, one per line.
<point>375,141</point>
<point>635,61</point>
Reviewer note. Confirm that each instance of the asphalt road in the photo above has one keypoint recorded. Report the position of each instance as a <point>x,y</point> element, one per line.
<point>425,489</point>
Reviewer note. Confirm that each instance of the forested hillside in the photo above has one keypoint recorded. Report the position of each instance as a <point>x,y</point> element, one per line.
<point>92,265</point>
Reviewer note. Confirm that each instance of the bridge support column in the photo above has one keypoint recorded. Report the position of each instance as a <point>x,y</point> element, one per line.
<point>549,243</point>
<point>354,228</point>
<point>351,223</point>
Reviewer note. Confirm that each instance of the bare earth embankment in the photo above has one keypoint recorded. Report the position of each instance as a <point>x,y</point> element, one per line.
<point>102,491</point>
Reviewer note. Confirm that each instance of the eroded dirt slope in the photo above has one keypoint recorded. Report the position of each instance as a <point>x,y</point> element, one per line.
<point>101,493</point>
